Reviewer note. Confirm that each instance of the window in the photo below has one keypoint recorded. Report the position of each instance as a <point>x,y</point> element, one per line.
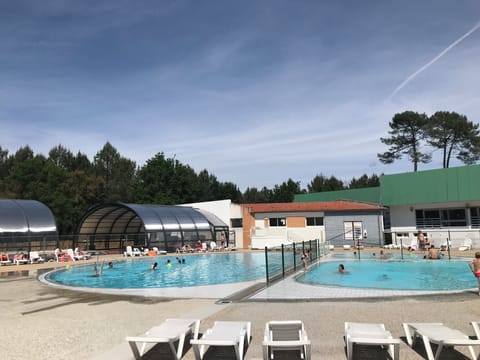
<point>351,229</point>
<point>475,216</point>
<point>278,222</point>
<point>237,223</point>
<point>314,221</point>
<point>435,218</point>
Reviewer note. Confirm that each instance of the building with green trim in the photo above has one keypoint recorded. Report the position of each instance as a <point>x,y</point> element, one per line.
<point>443,204</point>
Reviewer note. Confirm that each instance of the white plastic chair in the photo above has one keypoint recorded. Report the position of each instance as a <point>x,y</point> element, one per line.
<point>467,245</point>
<point>285,336</point>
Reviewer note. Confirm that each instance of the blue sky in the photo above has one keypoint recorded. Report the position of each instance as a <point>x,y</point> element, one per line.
<point>254,91</point>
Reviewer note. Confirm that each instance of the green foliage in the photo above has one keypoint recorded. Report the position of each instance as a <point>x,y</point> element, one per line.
<point>321,183</point>
<point>407,136</point>
<point>364,181</point>
<point>454,134</point>
<point>286,191</point>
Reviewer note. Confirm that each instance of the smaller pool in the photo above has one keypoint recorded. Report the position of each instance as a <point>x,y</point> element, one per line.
<point>393,275</point>
<point>197,270</point>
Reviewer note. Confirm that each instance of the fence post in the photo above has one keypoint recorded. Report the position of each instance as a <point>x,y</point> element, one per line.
<point>283,262</point>
<point>401,247</point>
<point>266,264</point>
<point>294,257</point>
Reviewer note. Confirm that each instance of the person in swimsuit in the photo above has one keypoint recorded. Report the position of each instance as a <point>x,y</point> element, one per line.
<point>475,267</point>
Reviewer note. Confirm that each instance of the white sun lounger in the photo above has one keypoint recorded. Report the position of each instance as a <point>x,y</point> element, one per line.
<point>170,331</point>
<point>439,334</point>
<point>224,333</point>
<point>370,334</point>
<point>285,335</point>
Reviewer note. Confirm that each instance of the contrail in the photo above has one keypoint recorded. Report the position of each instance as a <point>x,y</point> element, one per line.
<point>427,65</point>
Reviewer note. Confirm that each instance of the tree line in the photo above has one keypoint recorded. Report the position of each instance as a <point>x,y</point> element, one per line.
<point>70,184</point>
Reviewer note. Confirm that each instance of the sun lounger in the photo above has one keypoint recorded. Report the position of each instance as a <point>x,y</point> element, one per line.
<point>170,331</point>
<point>35,257</point>
<point>224,333</point>
<point>285,335</point>
<point>370,334</point>
<point>4,260</point>
<point>467,245</point>
<point>439,334</point>
<point>17,260</point>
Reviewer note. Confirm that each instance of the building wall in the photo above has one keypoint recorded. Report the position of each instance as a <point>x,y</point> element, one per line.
<point>225,210</point>
<point>404,229</point>
<point>260,233</point>
<point>371,222</point>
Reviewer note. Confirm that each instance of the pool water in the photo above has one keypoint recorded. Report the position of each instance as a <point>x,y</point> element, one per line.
<point>395,275</point>
<point>207,269</point>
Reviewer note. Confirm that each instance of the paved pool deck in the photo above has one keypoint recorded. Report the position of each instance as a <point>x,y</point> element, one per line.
<point>42,322</point>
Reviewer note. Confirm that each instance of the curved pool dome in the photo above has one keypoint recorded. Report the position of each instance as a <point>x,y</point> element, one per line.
<point>114,226</point>
<point>26,225</point>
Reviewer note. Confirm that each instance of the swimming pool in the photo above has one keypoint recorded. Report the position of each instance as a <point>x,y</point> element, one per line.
<point>396,275</point>
<point>207,269</point>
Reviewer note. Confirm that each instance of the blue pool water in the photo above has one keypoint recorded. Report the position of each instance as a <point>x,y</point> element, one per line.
<point>395,275</point>
<point>197,270</point>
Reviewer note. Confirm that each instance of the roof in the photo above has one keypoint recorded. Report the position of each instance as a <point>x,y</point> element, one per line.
<point>371,194</point>
<point>431,186</point>
<point>137,218</point>
<point>312,206</point>
<point>26,216</point>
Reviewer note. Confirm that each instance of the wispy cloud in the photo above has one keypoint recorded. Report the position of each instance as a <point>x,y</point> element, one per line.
<point>434,60</point>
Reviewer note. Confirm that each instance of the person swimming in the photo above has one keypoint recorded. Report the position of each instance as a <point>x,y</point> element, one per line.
<point>341,268</point>
<point>154,266</point>
<point>169,263</point>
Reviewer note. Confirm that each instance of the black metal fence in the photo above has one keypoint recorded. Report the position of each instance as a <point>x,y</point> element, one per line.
<point>285,259</point>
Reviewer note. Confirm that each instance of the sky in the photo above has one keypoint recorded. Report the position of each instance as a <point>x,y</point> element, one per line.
<point>256,92</point>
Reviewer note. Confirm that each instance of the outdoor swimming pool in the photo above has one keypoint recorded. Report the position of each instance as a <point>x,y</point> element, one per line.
<point>208,269</point>
<point>396,275</point>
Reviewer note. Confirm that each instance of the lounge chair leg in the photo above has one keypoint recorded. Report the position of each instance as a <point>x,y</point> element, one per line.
<point>136,353</point>
<point>428,348</point>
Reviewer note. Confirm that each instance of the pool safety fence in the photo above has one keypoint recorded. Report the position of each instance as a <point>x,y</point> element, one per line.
<point>287,258</point>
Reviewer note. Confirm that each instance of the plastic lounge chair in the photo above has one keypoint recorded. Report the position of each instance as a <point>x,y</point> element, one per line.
<point>170,331</point>
<point>128,251</point>
<point>70,255</point>
<point>467,245</point>
<point>4,260</point>
<point>136,252</point>
<point>285,335</point>
<point>80,255</point>
<point>18,261</point>
<point>347,247</point>
<point>439,334</point>
<point>35,257</point>
<point>370,334</point>
<point>224,333</point>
